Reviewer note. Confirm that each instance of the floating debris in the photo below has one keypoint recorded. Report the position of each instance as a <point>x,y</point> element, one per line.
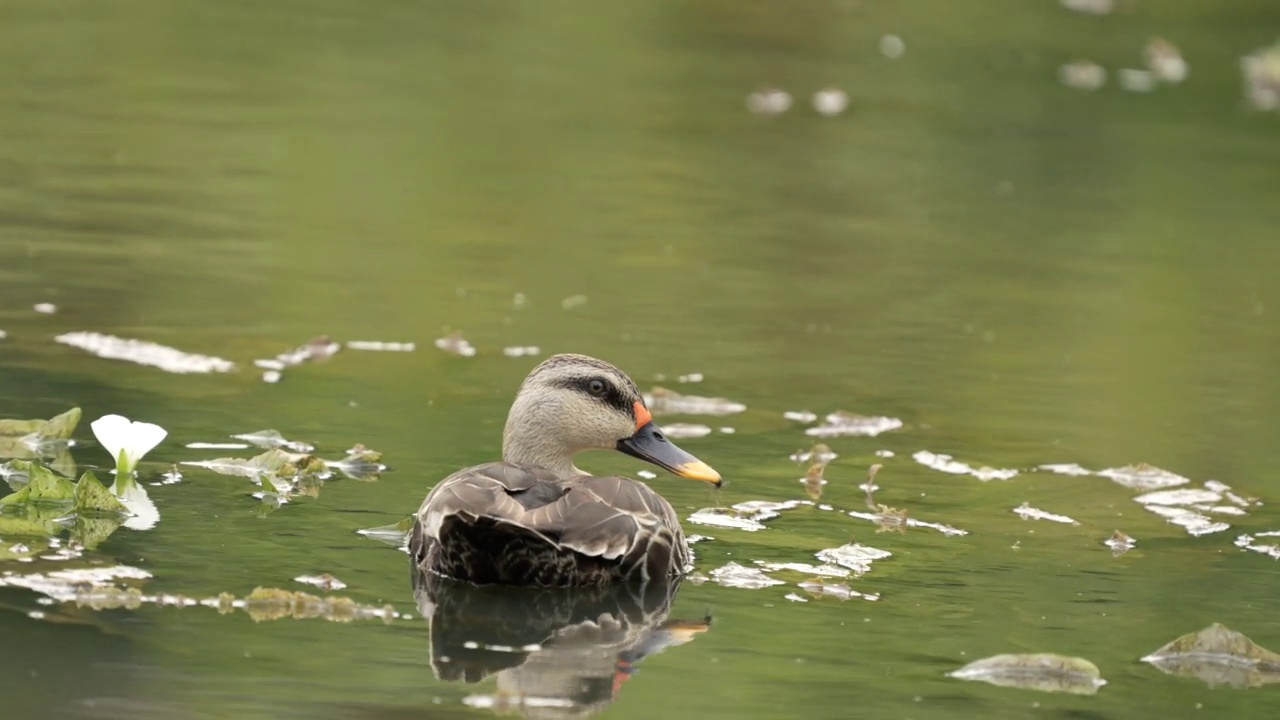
<point>1041,671</point>
<point>856,557</point>
<point>318,348</point>
<point>1143,81</point>
<point>1192,521</point>
<point>1249,542</point>
<point>803,416</point>
<point>324,581</point>
<point>830,101</point>
<point>1090,7</point>
<point>455,344</point>
<point>727,431</point>
<point>1082,75</point>
<point>662,401</point>
<point>769,102</point>
<point>720,517</point>
<point>947,464</point>
<point>273,439</point>
<point>818,453</point>
<point>879,519</point>
<point>739,576</point>
<point>1143,477</point>
<point>67,585</point>
<point>171,476</point>
<point>1026,512</point>
<point>573,301</point>
<point>805,568</point>
<point>146,353</point>
<point>793,597</point>
<point>516,351</point>
<point>519,301</point>
<point>45,308</point>
<point>646,474</point>
<point>216,446</point>
<point>685,430</point>
<point>1186,507</point>
<point>1065,469</point>
<point>395,535</point>
<point>690,378</point>
<point>1165,61</point>
<point>1226,492</point>
<point>892,46</point>
<point>884,453</point>
<point>1120,543</point>
<point>840,591</point>
<point>1218,655</point>
<point>380,346</point>
<point>3,334</point>
<point>1261,71</point>
<point>766,509</point>
<point>1184,496</point>
<point>361,463</point>
<point>841,423</point>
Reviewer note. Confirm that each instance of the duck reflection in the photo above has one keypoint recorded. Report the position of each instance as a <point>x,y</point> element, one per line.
<point>556,652</point>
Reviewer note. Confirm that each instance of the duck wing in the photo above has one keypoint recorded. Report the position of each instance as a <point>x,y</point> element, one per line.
<point>526,520</point>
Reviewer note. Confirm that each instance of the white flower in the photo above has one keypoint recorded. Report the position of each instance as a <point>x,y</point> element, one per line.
<point>127,441</point>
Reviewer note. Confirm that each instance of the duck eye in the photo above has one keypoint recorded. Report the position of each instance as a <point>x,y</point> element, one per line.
<point>596,387</point>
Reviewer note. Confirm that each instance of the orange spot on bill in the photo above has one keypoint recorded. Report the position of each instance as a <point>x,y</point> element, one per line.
<point>643,416</point>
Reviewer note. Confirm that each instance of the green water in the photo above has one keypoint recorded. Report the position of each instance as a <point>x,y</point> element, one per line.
<point>1021,272</point>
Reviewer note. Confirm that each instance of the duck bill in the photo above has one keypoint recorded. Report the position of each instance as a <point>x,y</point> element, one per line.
<point>650,445</point>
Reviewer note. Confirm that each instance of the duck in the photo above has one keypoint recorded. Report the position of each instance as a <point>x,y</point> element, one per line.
<point>534,518</point>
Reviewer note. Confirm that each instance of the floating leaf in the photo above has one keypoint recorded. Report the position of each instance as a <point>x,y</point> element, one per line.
<point>1218,655</point>
<point>396,534</point>
<point>60,427</point>
<point>92,497</point>
<point>19,428</point>
<point>1041,671</point>
<point>272,461</point>
<point>22,526</point>
<point>89,531</point>
<point>361,463</point>
<point>273,439</point>
<point>43,486</point>
<point>31,434</point>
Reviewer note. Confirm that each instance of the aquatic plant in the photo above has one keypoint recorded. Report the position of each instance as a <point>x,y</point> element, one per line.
<point>127,440</point>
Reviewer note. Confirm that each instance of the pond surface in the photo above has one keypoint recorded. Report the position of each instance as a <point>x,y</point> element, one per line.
<point>1020,272</point>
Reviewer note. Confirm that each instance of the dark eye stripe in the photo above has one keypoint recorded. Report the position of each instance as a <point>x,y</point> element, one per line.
<point>612,396</point>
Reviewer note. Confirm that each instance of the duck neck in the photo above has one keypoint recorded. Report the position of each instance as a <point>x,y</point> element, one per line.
<point>520,444</point>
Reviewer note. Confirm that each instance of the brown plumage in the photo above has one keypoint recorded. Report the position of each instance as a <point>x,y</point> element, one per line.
<point>534,518</point>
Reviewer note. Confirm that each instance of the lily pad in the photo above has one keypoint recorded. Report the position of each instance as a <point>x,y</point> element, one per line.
<point>43,486</point>
<point>1218,655</point>
<point>30,525</point>
<point>1040,671</point>
<point>92,496</point>
<point>89,531</point>
<point>59,427</point>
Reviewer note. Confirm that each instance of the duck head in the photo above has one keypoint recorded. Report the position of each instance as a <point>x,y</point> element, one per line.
<point>572,403</point>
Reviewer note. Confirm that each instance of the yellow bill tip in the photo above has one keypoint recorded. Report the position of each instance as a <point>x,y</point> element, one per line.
<point>698,470</point>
